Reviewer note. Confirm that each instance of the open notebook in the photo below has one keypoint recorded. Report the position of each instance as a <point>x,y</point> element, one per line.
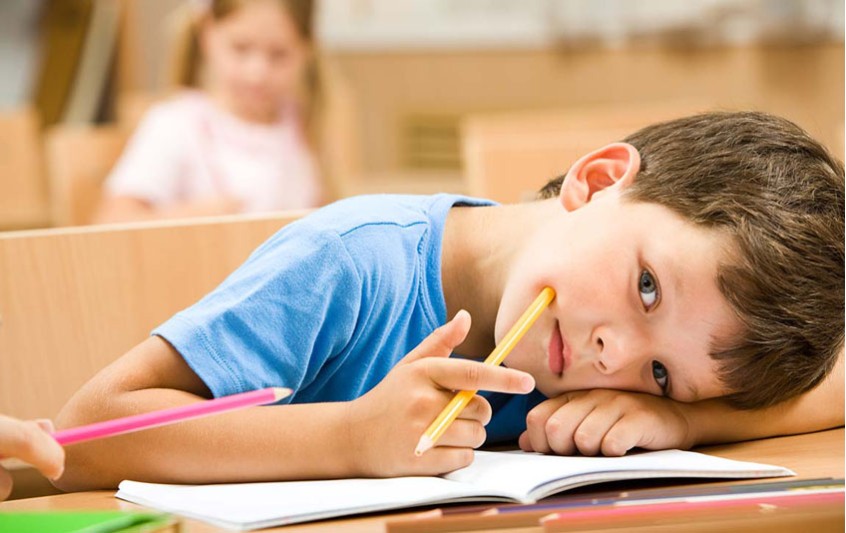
<point>493,476</point>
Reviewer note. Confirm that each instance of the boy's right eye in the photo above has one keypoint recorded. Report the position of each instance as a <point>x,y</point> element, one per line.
<point>648,289</point>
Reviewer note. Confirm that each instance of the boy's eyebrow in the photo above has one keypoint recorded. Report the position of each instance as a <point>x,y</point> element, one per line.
<point>673,271</point>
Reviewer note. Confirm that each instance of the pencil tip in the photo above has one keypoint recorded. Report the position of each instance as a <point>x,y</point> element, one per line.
<point>423,445</point>
<point>281,392</point>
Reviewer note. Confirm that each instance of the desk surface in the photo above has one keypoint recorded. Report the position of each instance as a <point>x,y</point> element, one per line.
<point>810,456</point>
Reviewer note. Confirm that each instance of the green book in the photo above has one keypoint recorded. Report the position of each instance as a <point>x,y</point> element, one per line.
<point>85,522</point>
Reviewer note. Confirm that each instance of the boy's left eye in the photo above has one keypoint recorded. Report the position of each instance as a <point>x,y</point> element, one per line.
<point>648,289</point>
<point>661,376</point>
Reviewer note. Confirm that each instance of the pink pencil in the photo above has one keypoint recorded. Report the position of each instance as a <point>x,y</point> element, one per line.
<point>685,507</point>
<point>171,415</point>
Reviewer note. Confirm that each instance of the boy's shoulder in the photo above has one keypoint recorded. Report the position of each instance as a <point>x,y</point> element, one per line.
<point>384,211</point>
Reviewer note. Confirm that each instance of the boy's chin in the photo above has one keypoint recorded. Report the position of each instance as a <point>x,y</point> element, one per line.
<point>548,390</point>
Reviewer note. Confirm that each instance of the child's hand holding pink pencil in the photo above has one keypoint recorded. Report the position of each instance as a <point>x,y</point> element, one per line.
<point>31,442</point>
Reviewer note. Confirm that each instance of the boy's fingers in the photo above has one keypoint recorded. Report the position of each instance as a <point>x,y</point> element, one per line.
<point>588,435</point>
<point>462,374</point>
<point>31,444</point>
<point>534,438</point>
<point>464,434</point>
<point>442,459</point>
<point>479,409</point>
<point>524,442</point>
<point>443,340</point>
<point>562,426</point>
<point>620,439</point>
<point>546,425</point>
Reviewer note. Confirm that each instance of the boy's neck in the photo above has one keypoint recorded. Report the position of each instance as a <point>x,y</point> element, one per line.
<point>480,245</point>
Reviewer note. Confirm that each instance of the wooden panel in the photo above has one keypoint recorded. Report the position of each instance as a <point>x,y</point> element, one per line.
<point>79,159</point>
<point>131,107</point>
<point>509,156</point>
<point>803,83</point>
<point>23,188</point>
<point>62,30</point>
<point>73,300</point>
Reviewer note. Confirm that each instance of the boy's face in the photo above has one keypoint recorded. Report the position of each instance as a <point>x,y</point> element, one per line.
<point>637,304</point>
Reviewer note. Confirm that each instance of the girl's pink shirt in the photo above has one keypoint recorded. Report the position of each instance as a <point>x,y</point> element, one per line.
<point>188,148</point>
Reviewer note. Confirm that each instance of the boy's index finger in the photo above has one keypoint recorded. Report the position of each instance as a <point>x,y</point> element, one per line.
<point>442,341</point>
<point>463,374</point>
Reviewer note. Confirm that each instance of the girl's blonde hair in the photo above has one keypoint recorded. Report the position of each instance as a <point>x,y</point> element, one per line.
<point>185,60</point>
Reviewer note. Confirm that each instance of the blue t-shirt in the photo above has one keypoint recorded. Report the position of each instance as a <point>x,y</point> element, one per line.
<point>329,304</point>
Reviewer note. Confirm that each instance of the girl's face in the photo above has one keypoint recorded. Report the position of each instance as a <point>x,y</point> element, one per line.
<point>255,57</point>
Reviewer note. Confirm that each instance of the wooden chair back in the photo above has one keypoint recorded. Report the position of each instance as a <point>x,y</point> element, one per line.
<point>74,299</point>
<point>508,156</point>
<point>79,159</point>
<point>23,187</point>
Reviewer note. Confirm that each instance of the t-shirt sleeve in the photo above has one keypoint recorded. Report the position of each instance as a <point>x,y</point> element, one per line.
<point>153,161</point>
<point>275,321</point>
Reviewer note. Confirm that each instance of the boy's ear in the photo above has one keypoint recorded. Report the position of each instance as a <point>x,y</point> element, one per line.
<point>612,166</point>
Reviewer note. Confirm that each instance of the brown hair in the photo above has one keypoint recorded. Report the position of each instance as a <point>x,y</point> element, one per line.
<point>184,65</point>
<point>779,193</point>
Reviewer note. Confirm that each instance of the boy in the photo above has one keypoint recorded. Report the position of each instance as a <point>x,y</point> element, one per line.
<point>698,268</point>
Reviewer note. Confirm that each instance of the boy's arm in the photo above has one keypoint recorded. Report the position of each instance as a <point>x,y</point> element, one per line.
<point>154,376</point>
<point>821,408</point>
<point>374,435</point>
<point>613,422</point>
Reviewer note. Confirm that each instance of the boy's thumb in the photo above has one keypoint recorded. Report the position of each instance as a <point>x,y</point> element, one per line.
<point>443,340</point>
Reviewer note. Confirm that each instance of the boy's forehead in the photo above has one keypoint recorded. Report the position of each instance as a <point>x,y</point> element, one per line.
<point>701,323</point>
<point>654,221</point>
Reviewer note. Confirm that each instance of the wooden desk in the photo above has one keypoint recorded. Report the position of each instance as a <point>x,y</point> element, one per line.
<point>810,456</point>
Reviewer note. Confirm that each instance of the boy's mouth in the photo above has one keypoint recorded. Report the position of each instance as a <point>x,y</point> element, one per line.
<point>558,351</point>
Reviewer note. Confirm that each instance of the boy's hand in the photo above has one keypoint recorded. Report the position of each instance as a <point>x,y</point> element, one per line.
<point>385,424</point>
<point>607,422</point>
<point>30,442</point>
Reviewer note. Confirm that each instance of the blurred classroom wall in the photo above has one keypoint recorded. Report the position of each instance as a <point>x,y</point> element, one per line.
<point>418,67</point>
<point>406,73</point>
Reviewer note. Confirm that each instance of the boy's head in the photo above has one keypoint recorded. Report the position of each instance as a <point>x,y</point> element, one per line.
<point>779,196</point>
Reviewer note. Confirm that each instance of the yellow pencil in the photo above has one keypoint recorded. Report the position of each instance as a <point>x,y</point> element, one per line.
<point>497,356</point>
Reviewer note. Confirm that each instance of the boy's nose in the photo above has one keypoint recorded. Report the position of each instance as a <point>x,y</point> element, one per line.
<point>616,349</point>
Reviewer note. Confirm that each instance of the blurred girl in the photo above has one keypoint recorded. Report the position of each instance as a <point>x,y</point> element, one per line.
<point>239,145</point>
